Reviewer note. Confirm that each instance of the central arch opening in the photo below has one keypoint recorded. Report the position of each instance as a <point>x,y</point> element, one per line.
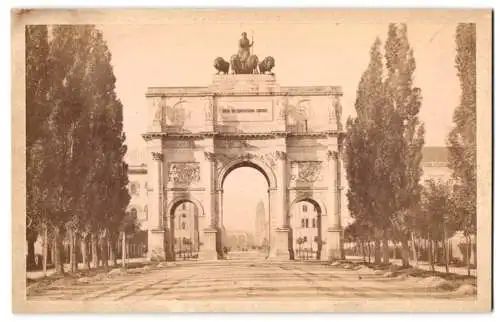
<point>245,219</point>
<point>306,227</point>
<point>185,229</point>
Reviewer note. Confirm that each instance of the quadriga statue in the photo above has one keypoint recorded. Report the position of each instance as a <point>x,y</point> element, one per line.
<point>244,62</point>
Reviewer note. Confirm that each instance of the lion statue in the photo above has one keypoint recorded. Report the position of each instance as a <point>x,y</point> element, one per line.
<point>221,65</point>
<point>266,65</point>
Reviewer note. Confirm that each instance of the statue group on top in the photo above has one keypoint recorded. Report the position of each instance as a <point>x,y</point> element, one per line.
<point>244,62</point>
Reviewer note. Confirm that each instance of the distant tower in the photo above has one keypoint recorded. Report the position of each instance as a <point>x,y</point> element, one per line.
<point>260,224</point>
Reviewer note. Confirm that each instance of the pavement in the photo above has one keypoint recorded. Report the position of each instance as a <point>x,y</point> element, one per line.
<point>40,274</point>
<point>425,266</point>
<point>238,279</point>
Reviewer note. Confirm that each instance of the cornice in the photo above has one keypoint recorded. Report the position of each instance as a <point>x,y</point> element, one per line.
<point>240,135</point>
<point>305,188</point>
<point>137,171</point>
<point>278,91</point>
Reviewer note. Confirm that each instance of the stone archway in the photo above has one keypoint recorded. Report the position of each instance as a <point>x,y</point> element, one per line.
<point>183,232</point>
<point>256,163</point>
<point>249,160</point>
<point>306,220</point>
<point>245,123</point>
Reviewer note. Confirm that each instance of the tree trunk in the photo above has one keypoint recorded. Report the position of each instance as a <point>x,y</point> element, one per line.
<point>436,252</point>
<point>414,249</point>
<point>104,250</point>
<point>74,255</point>
<point>394,249</point>
<point>385,248</point>
<point>369,252</point>
<point>445,249</point>
<point>124,249</point>
<point>468,254</point>
<point>72,247</point>
<point>405,253</point>
<point>363,251</point>
<point>30,260</point>
<point>45,246</point>
<point>83,247</point>
<point>430,254</point>
<point>53,252</point>
<point>376,252</point>
<point>58,247</point>
<point>95,258</point>
<point>112,249</point>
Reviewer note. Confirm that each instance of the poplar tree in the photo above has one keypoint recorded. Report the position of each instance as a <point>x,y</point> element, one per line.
<point>384,143</point>
<point>89,177</point>
<point>364,139</point>
<point>37,111</point>
<point>69,52</point>
<point>403,102</point>
<point>462,138</point>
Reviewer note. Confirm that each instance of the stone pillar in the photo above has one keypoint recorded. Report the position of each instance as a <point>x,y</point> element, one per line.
<point>156,231</point>
<point>223,236</point>
<point>280,241</point>
<point>334,228</point>
<point>211,232</point>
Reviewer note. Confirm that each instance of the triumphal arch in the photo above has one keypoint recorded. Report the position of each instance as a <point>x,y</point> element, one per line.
<point>197,135</point>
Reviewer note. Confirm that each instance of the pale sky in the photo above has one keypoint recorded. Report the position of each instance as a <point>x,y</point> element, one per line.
<point>315,53</point>
<point>306,54</point>
<point>240,200</point>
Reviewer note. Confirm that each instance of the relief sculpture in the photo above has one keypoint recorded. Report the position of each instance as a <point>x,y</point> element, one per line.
<point>184,172</point>
<point>209,110</point>
<point>306,171</point>
<point>159,111</point>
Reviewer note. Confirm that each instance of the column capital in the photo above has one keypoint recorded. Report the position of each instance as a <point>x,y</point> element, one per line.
<point>157,156</point>
<point>280,155</point>
<point>332,155</point>
<point>210,156</point>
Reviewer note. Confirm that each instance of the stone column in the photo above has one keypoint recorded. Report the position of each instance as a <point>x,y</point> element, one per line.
<point>222,229</point>
<point>280,241</point>
<point>211,232</point>
<point>156,249</point>
<point>334,228</point>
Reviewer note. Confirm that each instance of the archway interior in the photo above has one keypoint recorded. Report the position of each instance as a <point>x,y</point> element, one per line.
<point>305,221</point>
<point>186,235</point>
<point>245,218</point>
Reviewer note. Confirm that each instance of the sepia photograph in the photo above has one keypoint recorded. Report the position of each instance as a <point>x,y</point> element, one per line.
<point>260,160</point>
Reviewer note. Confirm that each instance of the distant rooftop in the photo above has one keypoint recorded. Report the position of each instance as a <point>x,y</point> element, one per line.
<point>435,154</point>
<point>136,157</point>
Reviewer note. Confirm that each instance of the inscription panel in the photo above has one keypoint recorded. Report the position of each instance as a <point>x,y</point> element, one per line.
<point>245,110</point>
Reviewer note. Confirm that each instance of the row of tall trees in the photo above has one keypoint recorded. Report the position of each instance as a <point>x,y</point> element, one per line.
<point>462,139</point>
<point>383,153</point>
<point>76,177</point>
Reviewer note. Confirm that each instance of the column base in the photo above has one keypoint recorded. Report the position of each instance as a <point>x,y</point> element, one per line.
<point>280,244</point>
<point>209,249</point>
<point>333,244</point>
<point>156,250</point>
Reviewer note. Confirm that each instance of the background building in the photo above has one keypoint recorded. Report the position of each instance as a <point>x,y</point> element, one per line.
<point>238,240</point>
<point>306,226</point>
<point>435,163</point>
<point>261,226</point>
<point>186,227</point>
